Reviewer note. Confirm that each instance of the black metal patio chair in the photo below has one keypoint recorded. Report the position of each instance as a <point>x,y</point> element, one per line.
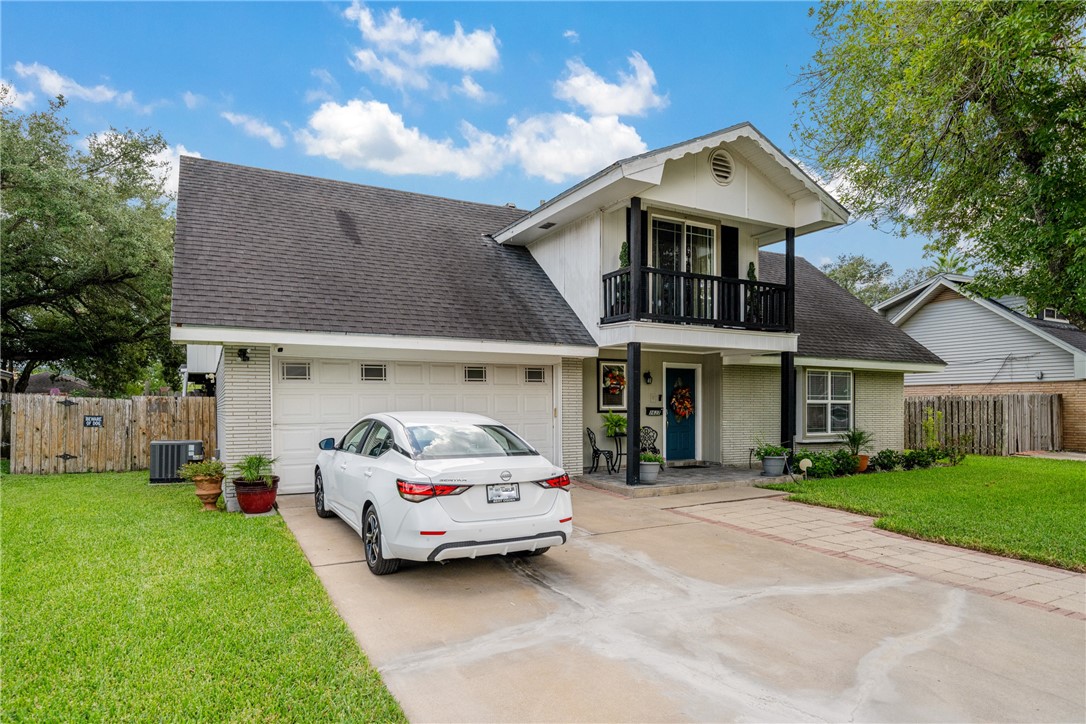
<point>648,440</point>
<point>597,453</point>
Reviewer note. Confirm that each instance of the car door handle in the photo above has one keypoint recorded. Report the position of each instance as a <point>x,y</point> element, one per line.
<point>343,466</point>
<point>369,472</point>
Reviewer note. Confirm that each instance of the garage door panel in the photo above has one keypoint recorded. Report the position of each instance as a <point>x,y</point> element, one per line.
<point>308,411</point>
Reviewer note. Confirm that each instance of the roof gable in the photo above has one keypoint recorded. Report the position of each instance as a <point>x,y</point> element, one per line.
<point>263,249</point>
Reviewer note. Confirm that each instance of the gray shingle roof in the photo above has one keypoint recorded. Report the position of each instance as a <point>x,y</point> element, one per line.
<point>262,249</point>
<point>833,323</point>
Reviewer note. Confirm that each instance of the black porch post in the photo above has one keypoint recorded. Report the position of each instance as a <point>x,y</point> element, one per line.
<point>634,233</point>
<point>633,411</point>
<point>788,359</point>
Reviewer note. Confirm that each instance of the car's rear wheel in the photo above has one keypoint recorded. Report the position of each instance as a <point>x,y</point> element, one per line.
<point>371,537</point>
<point>318,496</point>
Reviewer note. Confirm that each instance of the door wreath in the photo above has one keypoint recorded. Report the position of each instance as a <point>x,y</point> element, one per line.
<point>681,403</point>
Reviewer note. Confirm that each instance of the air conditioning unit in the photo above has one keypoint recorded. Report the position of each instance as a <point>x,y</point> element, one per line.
<point>169,455</point>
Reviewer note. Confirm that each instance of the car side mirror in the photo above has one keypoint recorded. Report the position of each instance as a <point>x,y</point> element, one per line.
<point>328,443</point>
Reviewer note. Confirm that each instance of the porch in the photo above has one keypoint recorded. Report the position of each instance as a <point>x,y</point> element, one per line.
<point>676,480</point>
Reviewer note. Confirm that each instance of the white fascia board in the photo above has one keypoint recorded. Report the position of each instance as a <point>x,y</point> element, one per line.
<point>690,337</point>
<point>835,363</point>
<point>922,299</point>
<point>560,203</point>
<point>414,345</point>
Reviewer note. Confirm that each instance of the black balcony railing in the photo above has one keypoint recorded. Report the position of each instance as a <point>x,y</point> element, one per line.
<point>686,298</point>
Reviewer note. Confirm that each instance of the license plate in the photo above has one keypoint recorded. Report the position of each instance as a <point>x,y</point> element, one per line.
<point>503,493</point>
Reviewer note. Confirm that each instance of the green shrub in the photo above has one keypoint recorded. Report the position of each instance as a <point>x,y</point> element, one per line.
<point>887,459</point>
<point>822,464</point>
<point>647,457</point>
<point>912,459</point>
<point>844,462</point>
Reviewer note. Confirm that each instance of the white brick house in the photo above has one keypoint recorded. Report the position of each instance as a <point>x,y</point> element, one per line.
<point>332,301</point>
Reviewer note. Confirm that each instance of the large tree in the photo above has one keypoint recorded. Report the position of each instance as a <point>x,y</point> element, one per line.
<point>87,249</point>
<point>964,122</point>
<point>871,281</point>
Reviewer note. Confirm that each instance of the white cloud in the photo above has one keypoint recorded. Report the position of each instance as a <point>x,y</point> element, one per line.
<point>572,36</point>
<point>53,83</point>
<point>368,134</point>
<point>192,100</point>
<point>19,100</point>
<point>401,50</point>
<point>471,89</point>
<point>256,128</point>
<point>633,95</point>
<point>169,160</point>
<point>561,146</point>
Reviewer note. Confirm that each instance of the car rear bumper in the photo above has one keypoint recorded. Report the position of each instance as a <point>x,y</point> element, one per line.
<point>471,549</point>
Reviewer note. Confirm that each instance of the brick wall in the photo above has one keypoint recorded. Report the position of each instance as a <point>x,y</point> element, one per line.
<point>879,399</point>
<point>1072,402</point>
<point>572,417</point>
<point>244,400</point>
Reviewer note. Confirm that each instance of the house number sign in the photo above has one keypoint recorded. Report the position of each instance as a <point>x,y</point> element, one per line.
<point>92,420</point>
<point>654,412</point>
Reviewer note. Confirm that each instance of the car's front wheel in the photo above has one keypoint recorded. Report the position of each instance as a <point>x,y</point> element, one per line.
<point>318,496</point>
<point>371,537</point>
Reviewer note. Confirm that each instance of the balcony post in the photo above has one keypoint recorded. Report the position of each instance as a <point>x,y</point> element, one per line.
<point>633,236</point>
<point>788,401</point>
<point>790,278</point>
<point>633,410</point>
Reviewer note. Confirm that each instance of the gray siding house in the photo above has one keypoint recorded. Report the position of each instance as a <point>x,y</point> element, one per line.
<point>642,290</point>
<point>993,346</point>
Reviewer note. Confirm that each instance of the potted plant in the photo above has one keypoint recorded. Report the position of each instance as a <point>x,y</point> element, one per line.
<point>614,424</point>
<point>773,458</point>
<point>650,467</point>
<point>858,440</point>
<point>255,484</point>
<point>207,476</point>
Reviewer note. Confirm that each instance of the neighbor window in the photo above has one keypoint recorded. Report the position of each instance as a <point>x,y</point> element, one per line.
<point>829,402</point>
<point>1051,315</point>
<point>534,374</point>
<point>474,374</point>
<point>374,372</point>
<point>294,370</point>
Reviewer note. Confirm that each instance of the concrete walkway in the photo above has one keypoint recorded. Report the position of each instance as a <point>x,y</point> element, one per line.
<point>674,609</point>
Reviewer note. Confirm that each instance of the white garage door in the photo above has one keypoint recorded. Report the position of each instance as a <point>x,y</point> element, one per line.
<point>314,399</point>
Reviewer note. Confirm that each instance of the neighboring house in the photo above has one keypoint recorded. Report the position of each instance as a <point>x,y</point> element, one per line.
<point>333,300</point>
<point>993,346</point>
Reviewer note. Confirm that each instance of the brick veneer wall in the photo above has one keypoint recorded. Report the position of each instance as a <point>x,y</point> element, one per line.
<point>244,404</point>
<point>750,409</point>
<point>1072,402</point>
<point>572,417</point>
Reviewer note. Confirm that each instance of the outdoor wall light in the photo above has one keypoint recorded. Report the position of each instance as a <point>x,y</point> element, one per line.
<point>648,378</point>
<point>243,354</point>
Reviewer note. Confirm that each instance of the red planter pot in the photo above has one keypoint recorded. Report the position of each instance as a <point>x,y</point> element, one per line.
<point>256,498</point>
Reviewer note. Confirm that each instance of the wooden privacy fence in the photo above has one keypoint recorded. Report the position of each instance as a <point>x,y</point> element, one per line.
<point>88,434</point>
<point>993,424</point>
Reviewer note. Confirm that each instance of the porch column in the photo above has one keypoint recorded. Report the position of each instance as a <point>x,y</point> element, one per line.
<point>790,278</point>
<point>788,359</point>
<point>633,409</point>
<point>634,234</point>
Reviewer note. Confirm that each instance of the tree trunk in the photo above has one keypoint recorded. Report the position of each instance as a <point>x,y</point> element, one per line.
<point>24,377</point>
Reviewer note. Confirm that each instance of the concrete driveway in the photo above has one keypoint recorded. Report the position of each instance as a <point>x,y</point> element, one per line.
<point>654,613</point>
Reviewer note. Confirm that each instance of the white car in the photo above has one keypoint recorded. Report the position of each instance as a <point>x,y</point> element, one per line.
<point>432,486</point>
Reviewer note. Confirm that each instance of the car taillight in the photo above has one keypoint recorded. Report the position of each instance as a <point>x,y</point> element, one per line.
<point>418,492</point>
<point>562,481</point>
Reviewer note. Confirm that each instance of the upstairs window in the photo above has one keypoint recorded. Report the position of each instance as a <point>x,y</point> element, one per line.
<point>829,402</point>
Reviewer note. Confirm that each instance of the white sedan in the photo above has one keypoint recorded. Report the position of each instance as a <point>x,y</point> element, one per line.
<point>431,486</point>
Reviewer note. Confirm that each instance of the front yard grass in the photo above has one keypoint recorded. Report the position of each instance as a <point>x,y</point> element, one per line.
<point>125,601</point>
<point>1028,508</point>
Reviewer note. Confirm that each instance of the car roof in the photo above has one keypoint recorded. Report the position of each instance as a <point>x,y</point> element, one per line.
<point>432,417</point>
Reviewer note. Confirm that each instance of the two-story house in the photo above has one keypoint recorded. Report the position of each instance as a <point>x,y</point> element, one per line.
<point>642,290</point>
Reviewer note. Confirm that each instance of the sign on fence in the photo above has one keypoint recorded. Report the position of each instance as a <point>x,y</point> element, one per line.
<point>988,424</point>
<point>51,434</point>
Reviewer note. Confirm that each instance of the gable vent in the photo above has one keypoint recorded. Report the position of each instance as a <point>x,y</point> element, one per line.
<point>722,166</point>
<point>548,225</point>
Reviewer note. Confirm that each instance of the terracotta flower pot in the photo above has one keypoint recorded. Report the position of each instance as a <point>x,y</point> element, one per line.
<point>863,460</point>
<point>208,490</point>
<point>254,498</point>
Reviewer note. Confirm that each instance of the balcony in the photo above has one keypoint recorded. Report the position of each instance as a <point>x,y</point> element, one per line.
<point>684,298</point>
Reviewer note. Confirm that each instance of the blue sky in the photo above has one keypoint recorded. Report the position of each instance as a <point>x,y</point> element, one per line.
<point>491,102</point>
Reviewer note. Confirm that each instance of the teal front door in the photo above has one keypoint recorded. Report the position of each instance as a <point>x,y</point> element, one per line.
<point>681,415</point>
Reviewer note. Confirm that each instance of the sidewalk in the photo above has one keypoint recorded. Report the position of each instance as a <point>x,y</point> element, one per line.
<point>854,537</point>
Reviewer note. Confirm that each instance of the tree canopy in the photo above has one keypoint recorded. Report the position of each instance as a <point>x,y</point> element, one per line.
<point>87,249</point>
<point>964,122</point>
<point>871,281</point>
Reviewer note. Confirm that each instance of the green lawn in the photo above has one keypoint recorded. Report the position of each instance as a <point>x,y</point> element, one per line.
<point>1026,508</point>
<point>123,601</point>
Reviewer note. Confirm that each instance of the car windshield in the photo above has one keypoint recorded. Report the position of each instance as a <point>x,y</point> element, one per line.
<point>463,440</point>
